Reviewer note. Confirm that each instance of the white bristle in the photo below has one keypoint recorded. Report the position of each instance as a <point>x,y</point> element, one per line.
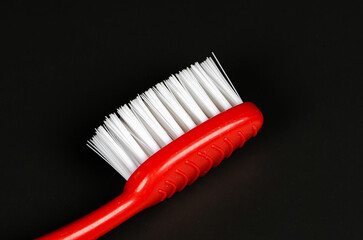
<point>123,136</point>
<point>174,107</point>
<point>162,114</point>
<point>216,96</point>
<point>226,88</point>
<point>138,129</point>
<point>186,100</point>
<point>191,83</point>
<point>150,122</point>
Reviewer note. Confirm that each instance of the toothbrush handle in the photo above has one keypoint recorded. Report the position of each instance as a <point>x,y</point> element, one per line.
<point>170,170</point>
<point>100,221</point>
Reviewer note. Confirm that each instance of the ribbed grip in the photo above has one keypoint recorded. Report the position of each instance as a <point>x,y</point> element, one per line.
<point>200,164</point>
<point>192,155</point>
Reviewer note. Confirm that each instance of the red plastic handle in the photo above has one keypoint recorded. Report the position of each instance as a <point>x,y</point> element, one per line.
<point>169,170</point>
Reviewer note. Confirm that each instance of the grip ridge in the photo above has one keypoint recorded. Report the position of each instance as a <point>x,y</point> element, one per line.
<point>230,147</point>
<point>163,195</point>
<point>185,178</point>
<point>197,171</point>
<point>173,187</point>
<point>209,159</point>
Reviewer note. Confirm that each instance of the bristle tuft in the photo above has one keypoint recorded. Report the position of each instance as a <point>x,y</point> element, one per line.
<point>162,114</point>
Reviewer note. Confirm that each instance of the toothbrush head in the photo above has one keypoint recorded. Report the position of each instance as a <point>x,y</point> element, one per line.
<point>162,114</point>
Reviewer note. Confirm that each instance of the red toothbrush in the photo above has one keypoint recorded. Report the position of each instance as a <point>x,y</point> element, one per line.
<point>164,140</point>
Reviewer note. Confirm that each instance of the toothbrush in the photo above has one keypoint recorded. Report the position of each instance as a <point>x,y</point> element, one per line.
<point>165,139</point>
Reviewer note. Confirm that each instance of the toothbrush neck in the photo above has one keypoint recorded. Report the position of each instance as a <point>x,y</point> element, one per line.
<point>102,220</point>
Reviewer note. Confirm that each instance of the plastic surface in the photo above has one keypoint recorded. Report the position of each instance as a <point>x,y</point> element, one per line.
<point>170,170</point>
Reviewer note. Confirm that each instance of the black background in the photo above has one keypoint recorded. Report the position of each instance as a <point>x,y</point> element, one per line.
<point>68,64</point>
